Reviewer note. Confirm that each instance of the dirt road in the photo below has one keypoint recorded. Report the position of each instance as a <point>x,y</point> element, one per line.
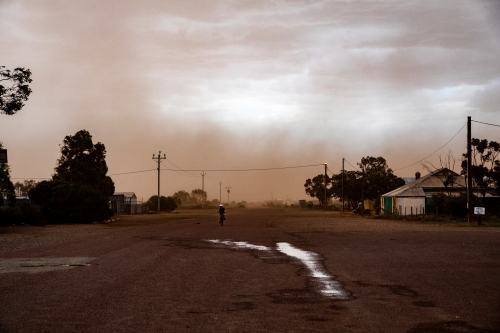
<point>185,273</point>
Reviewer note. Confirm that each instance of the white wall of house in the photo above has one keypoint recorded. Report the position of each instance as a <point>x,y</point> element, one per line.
<point>410,206</point>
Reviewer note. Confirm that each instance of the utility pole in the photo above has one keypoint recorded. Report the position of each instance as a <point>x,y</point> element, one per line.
<point>159,158</point>
<point>203,182</point>
<point>343,185</point>
<point>326,175</point>
<point>363,194</point>
<point>469,176</point>
<point>228,190</point>
<point>220,192</point>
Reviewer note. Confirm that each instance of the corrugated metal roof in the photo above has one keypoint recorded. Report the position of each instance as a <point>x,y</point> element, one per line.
<point>408,179</point>
<point>432,180</point>
<point>125,194</point>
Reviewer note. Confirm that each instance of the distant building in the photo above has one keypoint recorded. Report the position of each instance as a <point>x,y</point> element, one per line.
<point>19,201</point>
<point>125,203</point>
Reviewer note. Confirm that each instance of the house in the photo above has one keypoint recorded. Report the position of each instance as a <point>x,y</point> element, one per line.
<point>125,203</point>
<point>414,198</point>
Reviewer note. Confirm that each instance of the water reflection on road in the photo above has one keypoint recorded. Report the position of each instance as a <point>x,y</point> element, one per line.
<point>311,260</point>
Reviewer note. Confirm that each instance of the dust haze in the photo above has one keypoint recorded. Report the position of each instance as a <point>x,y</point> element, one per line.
<point>249,84</point>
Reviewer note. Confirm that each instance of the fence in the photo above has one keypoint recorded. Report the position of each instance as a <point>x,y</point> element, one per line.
<point>127,207</point>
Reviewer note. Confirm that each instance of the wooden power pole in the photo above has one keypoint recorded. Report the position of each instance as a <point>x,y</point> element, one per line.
<point>159,158</point>
<point>343,185</point>
<point>326,175</point>
<point>469,173</point>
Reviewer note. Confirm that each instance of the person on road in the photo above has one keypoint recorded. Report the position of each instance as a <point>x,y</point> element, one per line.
<point>222,210</point>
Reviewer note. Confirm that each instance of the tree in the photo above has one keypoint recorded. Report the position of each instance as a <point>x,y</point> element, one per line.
<point>181,198</point>
<point>485,168</point>
<point>372,180</point>
<point>447,176</point>
<point>12,97</point>
<point>79,190</point>
<point>352,188</point>
<point>495,177</point>
<point>316,188</point>
<point>6,186</point>
<point>23,188</point>
<point>377,177</point>
<point>84,163</point>
<point>167,204</point>
<point>198,196</point>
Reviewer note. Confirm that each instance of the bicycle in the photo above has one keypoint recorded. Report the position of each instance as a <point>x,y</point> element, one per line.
<point>222,218</point>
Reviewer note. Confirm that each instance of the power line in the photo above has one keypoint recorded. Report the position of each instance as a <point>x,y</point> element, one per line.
<point>254,169</point>
<point>126,173</point>
<point>351,164</point>
<point>239,193</point>
<point>485,123</point>
<point>213,180</point>
<point>180,169</point>
<point>185,174</point>
<point>330,171</point>
<point>435,150</point>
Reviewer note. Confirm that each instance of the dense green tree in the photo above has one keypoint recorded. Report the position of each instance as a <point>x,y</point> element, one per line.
<point>315,188</point>
<point>495,176</point>
<point>377,178</point>
<point>79,190</point>
<point>83,162</point>
<point>6,186</point>
<point>13,96</point>
<point>485,168</point>
<point>352,188</point>
<point>64,202</point>
<point>372,180</point>
<point>167,204</point>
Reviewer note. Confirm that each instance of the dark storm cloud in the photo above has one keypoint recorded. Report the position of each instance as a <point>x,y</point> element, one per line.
<point>239,84</point>
<point>487,99</point>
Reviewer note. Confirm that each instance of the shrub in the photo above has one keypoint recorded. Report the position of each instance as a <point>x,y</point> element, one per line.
<point>70,203</point>
<point>167,204</point>
<point>456,206</point>
<point>26,213</point>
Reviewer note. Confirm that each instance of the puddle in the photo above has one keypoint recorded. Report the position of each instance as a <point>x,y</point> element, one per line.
<point>38,265</point>
<point>331,288</point>
<point>240,245</point>
<point>328,286</point>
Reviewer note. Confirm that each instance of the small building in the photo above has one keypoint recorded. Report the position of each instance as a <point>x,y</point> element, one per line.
<point>415,197</point>
<point>19,201</point>
<point>125,203</point>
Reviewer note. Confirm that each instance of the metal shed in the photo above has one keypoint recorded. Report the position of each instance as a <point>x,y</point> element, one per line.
<point>125,203</point>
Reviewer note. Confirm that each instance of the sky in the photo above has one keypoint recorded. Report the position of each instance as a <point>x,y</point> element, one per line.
<point>238,84</point>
